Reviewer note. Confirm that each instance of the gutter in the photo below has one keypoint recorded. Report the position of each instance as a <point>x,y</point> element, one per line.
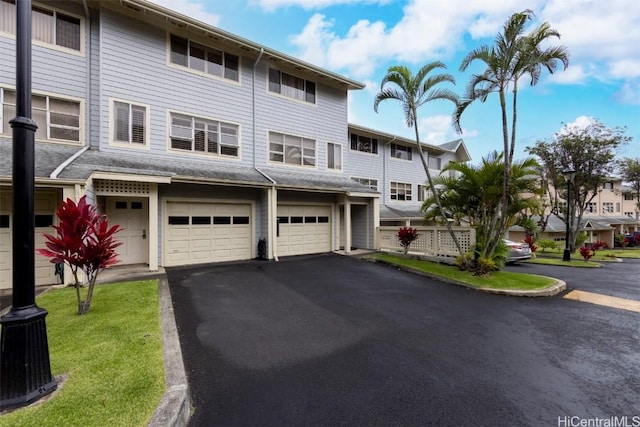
<point>255,66</point>
<point>88,72</point>
<point>270,209</point>
<point>67,162</point>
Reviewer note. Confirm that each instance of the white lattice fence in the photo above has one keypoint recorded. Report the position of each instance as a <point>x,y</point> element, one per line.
<point>432,241</point>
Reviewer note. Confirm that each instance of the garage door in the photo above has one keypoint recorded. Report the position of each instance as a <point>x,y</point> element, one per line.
<point>45,205</point>
<point>303,230</point>
<point>206,232</point>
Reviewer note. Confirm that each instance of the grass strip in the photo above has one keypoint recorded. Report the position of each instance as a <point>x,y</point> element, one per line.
<point>111,356</point>
<point>579,263</point>
<point>504,280</point>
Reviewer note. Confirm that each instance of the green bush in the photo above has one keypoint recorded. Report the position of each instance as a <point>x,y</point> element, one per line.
<point>547,244</point>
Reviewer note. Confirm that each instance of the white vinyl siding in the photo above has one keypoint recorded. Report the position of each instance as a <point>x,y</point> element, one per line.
<point>292,150</point>
<point>47,25</point>
<point>129,123</point>
<point>400,191</point>
<point>57,119</point>
<point>202,58</point>
<point>334,156</point>
<point>203,135</point>
<point>291,86</point>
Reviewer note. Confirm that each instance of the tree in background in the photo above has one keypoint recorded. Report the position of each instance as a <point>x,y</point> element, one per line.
<point>590,150</point>
<point>413,91</point>
<point>85,242</point>
<point>513,55</point>
<point>630,171</point>
<point>475,194</point>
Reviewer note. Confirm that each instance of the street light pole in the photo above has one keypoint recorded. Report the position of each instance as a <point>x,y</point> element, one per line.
<point>568,174</point>
<point>25,370</point>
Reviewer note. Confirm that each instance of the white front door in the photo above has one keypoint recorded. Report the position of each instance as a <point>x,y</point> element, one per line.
<point>132,214</point>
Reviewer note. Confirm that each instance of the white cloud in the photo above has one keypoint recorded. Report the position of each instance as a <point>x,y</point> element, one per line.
<point>192,8</point>
<point>436,129</point>
<point>270,5</point>
<point>629,93</point>
<point>581,122</point>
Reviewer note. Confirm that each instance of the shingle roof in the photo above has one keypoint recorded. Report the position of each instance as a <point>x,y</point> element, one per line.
<point>316,181</point>
<point>48,157</point>
<point>400,212</point>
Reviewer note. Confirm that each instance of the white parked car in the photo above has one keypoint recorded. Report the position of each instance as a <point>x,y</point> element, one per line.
<point>517,251</point>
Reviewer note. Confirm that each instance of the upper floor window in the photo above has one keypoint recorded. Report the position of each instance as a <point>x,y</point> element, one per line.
<point>629,214</point>
<point>57,119</point>
<point>629,196</point>
<point>203,135</point>
<point>400,191</point>
<point>369,182</point>
<point>47,25</point>
<point>129,123</point>
<point>435,163</point>
<point>607,207</point>
<point>401,152</point>
<point>608,186</point>
<point>592,207</point>
<point>203,58</point>
<point>293,150</point>
<point>364,144</point>
<point>334,156</point>
<point>423,193</point>
<point>292,86</point>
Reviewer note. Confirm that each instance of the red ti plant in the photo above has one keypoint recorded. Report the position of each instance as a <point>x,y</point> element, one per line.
<point>530,240</point>
<point>587,252</point>
<point>406,236</point>
<point>84,242</point>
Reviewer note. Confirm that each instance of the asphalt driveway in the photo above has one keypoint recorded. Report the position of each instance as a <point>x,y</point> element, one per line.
<point>331,340</point>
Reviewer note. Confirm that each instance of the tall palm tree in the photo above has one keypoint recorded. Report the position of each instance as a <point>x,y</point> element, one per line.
<point>413,91</point>
<point>513,55</point>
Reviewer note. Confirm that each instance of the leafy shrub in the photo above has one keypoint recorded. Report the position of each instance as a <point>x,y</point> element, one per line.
<point>581,238</point>
<point>587,252</point>
<point>530,240</point>
<point>406,236</point>
<point>547,244</point>
<point>622,240</point>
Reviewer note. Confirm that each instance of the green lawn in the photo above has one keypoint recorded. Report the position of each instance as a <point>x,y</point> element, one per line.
<point>498,280</point>
<point>575,262</point>
<point>111,357</point>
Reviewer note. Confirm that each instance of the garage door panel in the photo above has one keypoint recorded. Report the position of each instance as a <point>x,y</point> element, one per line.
<point>303,229</point>
<point>209,233</point>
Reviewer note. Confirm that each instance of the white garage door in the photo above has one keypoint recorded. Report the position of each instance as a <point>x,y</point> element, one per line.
<point>206,232</point>
<point>45,205</point>
<point>303,230</point>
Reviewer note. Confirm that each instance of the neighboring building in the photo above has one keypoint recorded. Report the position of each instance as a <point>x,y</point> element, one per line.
<point>199,143</point>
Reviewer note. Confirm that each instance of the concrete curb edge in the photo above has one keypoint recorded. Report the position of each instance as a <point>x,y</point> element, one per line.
<point>175,407</point>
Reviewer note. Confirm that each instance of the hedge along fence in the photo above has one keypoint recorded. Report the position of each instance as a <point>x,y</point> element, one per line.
<point>432,241</point>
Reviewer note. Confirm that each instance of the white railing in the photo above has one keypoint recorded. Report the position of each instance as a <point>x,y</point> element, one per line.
<point>432,241</point>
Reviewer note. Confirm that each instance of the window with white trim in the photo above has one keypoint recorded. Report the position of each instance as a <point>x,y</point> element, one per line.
<point>291,86</point>
<point>334,156</point>
<point>607,207</point>
<point>203,135</point>
<point>629,214</point>
<point>57,119</point>
<point>292,150</point>
<point>364,144</point>
<point>592,207</point>
<point>400,191</point>
<point>202,58</point>
<point>435,163</point>
<point>129,123</point>
<point>47,25</point>
<point>369,182</point>
<point>608,186</point>
<point>629,196</point>
<point>423,193</point>
<point>401,152</point>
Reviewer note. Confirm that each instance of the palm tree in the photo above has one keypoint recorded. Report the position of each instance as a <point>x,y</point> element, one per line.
<point>513,55</point>
<point>413,91</point>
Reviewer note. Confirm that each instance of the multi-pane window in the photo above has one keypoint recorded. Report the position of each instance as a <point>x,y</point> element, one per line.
<point>364,144</point>
<point>47,25</point>
<point>608,186</point>
<point>292,150</point>
<point>423,193</point>
<point>629,196</point>
<point>400,191</point>
<point>291,86</point>
<point>435,163</point>
<point>57,119</point>
<point>129,124</point>
<point>334,156</point>
<point>203,58</point>
<point>592,207</point>
<point>369,182</point>
<point>401,152</point>
<point>607,207</point>
<point>203,135</point>
<point>629,214</point>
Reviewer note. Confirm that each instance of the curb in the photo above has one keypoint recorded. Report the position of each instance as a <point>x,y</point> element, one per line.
<point>549,291</point>
<point>175,407</point>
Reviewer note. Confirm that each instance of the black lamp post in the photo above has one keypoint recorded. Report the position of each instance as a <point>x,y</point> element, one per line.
<point>25,370</point>
<point>569,173</point>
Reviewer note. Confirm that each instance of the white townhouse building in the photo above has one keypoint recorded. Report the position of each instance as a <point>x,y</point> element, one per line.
<point>199,143</point>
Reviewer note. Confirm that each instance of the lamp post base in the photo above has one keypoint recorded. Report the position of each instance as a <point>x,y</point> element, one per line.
<point>25,371</point>
<point>566,256</point>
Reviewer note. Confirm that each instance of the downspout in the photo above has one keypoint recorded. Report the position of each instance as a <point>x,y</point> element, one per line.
<point>384,171</point>
<point>67,162</point>
<point>88,71</point>
<point>270,209</point>
<point>255,66</point>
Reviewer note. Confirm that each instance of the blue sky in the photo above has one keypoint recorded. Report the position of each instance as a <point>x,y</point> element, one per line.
<point>362,38</point>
